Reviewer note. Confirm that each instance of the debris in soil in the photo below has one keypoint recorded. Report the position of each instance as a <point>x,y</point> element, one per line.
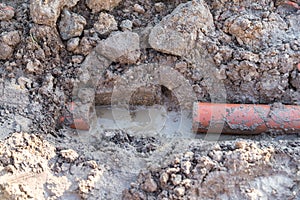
<point>240,170</point>
<point>123,139</point>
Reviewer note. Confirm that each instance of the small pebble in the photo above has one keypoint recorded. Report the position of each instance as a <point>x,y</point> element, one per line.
<point>72,44</point>
<point>176,179</point>
<point>159,7</point>
<point>126,25</point>
<point>77,59</point>
<point>164,177</point>
<point>240,145</point>
<point>179,191</point>
<point>138,8</point>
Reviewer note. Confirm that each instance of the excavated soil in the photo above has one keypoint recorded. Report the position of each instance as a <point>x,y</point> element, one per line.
<point>134,69</point>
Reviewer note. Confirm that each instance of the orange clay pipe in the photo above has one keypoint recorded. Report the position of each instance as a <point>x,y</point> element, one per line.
<point>246,118</point>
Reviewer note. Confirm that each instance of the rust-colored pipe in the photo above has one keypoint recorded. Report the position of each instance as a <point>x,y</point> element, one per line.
<point>78,123</point>
<point>245,118</point>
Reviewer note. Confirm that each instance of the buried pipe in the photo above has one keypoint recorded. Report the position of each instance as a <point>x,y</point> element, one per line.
<point>75,123</point>
<point>73,120</point>
<point>229,118</point>
<point>246,118</point>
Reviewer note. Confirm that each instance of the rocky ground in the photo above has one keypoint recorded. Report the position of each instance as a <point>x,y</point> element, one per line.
<point>144,52</point>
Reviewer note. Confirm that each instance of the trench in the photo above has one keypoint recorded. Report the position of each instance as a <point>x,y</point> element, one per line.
<point>164,120</point>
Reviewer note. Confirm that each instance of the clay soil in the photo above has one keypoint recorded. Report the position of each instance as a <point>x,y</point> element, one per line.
<point>249,53</point>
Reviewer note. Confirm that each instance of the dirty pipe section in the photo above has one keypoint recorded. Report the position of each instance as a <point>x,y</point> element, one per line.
<point>246,118</point>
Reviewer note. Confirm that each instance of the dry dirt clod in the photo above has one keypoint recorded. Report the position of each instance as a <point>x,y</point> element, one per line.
<point>105,24</point>
<point>138,8</point>
<point>149,185</point>
<point>179,191</point>
<point>69,154</point>
<point>159,7</point>
<point>186,167</point>
<point>98,5</point>
<point>177,32</point>
<point>47,12</point>
<point>164,177</point>
<point>6,51</point>
<point>6,12</point>
<point>8,40</point>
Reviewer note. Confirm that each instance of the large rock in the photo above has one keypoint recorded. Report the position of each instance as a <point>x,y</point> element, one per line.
<point>98,5</point>
<point>177,33</point>
<point>123,47</point>
<point>71,25</point>
<point>47,12</point>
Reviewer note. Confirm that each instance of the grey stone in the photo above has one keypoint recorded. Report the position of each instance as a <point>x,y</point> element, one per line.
<point>71,25</point>
<point>72,44</point>
<point>126,25</point>
<point>123,47</point>
<point>23,122</point>
<point>176,179</point>
<point>93,65</point>
<point>177,32</point>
